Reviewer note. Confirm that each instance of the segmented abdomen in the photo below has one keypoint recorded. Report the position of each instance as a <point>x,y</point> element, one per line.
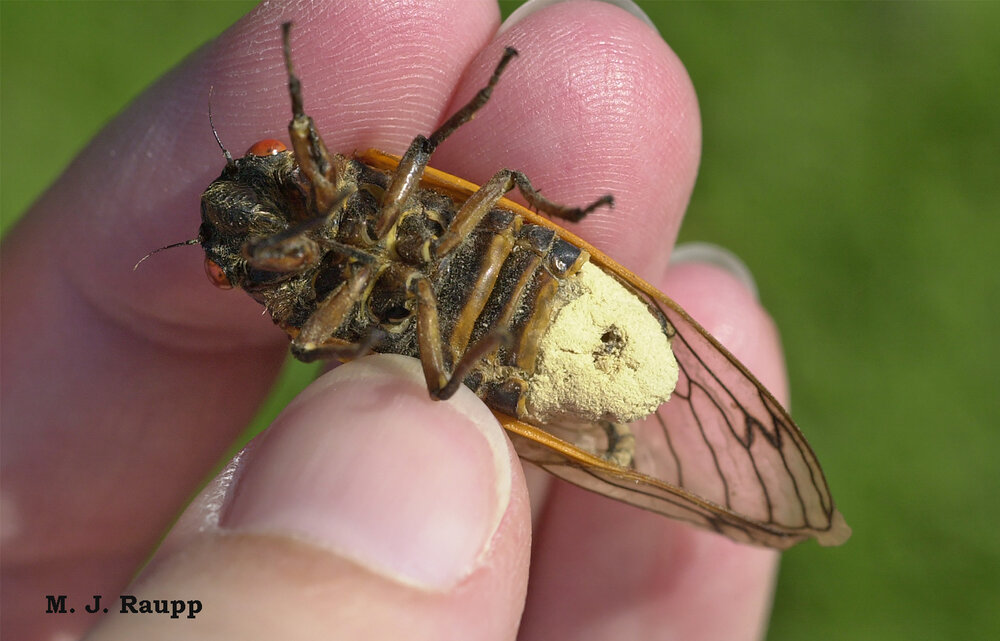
<point>504,277</point>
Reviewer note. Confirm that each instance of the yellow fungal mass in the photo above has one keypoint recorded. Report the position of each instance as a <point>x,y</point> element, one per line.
<point>604,357</point>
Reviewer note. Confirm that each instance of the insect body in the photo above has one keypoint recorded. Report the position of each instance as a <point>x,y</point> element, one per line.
<point>386,254</point>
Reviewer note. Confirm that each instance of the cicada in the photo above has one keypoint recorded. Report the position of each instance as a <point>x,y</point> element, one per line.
<point>379,253</point>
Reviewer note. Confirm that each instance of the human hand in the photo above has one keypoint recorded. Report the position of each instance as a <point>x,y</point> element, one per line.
<point>367,510</point>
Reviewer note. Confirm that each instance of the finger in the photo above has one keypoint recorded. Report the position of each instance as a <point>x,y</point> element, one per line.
<point>595,103</point>
<point>364,512</point>
<point>653,578</point>
<point>130,384</point>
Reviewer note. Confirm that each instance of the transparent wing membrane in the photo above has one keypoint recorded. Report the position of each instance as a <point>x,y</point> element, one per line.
<point>730,442</point>
<point>721,454</point>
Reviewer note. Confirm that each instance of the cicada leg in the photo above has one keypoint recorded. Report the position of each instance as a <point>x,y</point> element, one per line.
<point>292,250</point>
<point>328,316</point>
<point>311,153</point>
<point>466,113</point>
<point>404,181</point>
<point>411,166</point>
<point>441,383</point>
<point>621,443</point>
<point>346,352</point>
<point>480,203</point>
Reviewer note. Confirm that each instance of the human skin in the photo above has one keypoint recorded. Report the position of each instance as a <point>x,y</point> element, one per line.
<point>130,386</point>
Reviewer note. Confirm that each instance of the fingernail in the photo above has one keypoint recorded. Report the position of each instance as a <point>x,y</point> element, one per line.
<point>365,464</point>
<point>532,6</point>
<point>717,256</point>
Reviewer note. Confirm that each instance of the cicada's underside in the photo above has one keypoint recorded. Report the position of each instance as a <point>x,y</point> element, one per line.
<point>385,254</point>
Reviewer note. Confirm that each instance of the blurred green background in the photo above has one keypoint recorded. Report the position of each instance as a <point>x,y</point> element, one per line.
<point>850,157</point>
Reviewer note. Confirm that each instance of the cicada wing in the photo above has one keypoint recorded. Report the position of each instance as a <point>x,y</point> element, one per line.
<point>593,473</point>
<point>732,443</point>
<point>722,453</point>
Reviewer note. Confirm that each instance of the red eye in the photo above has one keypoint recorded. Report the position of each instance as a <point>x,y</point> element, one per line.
<point>216,275</point>
<point>266,147</point>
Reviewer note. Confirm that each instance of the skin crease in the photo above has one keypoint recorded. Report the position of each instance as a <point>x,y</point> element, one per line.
<point>144,378</point>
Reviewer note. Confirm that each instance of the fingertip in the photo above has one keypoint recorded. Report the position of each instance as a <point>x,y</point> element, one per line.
<point>532,6</point>
<point>724,302</point>
<point>366,508</point>
<point>712,254</point>
<point>596,103</point>
<point>365,465</point>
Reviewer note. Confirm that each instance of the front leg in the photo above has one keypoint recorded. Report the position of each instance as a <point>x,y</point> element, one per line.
<point>343,353</point>
<point>329,315</point>
<point>292,250</point>
<point>315,161</point>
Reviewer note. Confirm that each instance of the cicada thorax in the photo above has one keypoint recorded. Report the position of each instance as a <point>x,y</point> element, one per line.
<point>255,197</point>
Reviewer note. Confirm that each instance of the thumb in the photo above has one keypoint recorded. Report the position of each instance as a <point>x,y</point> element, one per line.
<point>365,511</point>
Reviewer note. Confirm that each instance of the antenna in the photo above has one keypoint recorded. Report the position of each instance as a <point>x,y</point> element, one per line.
<point>225,152</point>
<point>193,241</point>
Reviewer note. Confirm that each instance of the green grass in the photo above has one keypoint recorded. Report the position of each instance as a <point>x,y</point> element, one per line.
<point>850,157</point>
